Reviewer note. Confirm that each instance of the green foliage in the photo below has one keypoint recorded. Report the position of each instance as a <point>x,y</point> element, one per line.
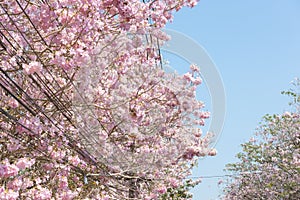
<point>294,94</point>
<point>180,193</point>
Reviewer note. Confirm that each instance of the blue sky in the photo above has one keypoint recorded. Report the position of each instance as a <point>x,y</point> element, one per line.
<point>255,45</point>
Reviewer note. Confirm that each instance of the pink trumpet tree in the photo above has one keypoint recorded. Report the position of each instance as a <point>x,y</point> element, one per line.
<point>269,166</point>
<point>87,111</point>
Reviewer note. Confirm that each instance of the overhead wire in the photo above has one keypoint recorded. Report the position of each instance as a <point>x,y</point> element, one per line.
<point>60,106</point>
<point>49,90</point>
<point>41,82</point>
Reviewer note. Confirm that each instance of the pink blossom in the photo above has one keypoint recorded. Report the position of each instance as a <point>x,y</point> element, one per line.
<point>67,195</point>
<point>212,152</point>
<point>48,166</point>
<point>32,67</point>
<point>195,68</point>
<point>43,194</point>
<point>197,81</point>
<point>8,170</point>
<point>74,160</point>
<point>3,170</point>
<point>15,184</point>
<point>13,103</point>
<point>12,170</point>
<point>9,195</point>
<point>192,3</point>
<point>26,182</point>
<point>174,183</point>
<point>161,190</point>
<point>23,163</point>
<point>204,115</point>
<point>63,183</point>
<point>198,133</point>
<point>190,153</point>
<point>13,145</point>
<point>188,76</point>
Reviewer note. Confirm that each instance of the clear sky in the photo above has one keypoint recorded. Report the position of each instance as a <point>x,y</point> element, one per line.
<point>255,45</point>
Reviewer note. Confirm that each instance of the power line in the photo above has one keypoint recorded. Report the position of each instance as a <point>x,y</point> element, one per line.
<point>41,83</point>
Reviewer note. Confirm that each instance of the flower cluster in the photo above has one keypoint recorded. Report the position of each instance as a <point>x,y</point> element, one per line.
<point>86,111</point>
<point>269,164</point>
